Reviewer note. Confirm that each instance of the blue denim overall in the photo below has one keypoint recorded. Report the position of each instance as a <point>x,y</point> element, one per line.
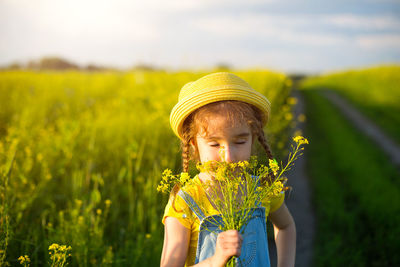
<point>254,246</point>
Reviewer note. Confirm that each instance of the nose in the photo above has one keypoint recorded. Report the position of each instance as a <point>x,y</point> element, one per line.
<point>226,154</point>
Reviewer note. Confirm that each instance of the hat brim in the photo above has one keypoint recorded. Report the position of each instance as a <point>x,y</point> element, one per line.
<point>194,101</point>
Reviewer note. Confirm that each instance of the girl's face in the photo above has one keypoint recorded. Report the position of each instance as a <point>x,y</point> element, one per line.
<point>236,139</point>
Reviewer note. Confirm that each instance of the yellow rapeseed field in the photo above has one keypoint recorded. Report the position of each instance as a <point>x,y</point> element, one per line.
<point>81,155</point>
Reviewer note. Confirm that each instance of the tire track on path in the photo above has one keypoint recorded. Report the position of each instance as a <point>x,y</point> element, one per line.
<point>390,147</point>
<point>299,203</point>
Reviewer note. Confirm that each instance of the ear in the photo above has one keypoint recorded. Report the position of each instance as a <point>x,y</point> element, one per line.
<point>193,144</point>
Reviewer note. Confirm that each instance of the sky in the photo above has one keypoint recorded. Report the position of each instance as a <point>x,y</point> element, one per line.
<point>284,35</point>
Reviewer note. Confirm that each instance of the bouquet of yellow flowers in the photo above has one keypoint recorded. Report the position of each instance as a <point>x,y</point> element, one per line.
<point>237,188</point>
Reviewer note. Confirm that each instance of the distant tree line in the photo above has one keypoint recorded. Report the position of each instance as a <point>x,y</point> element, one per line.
<point>53,63</point>
<point>61,64</point>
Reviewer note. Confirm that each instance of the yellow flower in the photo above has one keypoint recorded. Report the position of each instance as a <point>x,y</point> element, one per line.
<point>233,165</point>
<point>64,248</point>
<point>107,202</point>
<point>243,164</point>
<point>160,187</point>
<point>184,178</point>
<point>278,186</point>
<point>98,211</point>
<point>273,164</point>
<point>166,174</point>
<point>300,140</point>
<point>24,259</point>
<point>53,246</point>
<point>220,175</point>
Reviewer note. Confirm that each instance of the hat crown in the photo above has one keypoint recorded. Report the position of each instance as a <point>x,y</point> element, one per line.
<point>213,81</point>
<point>211,88</point>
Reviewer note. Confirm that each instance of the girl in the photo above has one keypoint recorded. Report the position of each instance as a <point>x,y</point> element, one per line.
<point>217,111</point>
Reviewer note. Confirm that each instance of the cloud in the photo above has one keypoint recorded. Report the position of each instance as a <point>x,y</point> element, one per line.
<point>277,28</point>
<point>379,41</point>
<point>381,22</point>
<point>369,32</point>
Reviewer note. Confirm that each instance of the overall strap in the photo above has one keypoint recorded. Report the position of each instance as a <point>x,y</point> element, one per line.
<point>192,204</point>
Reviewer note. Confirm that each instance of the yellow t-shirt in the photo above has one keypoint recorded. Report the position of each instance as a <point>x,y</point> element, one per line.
<point>189,220</point>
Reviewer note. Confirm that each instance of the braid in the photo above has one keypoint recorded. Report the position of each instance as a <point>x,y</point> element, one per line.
<point>257,127</point>
<point>185,146</point>
<point>264,144</point>
<point>185,155</point>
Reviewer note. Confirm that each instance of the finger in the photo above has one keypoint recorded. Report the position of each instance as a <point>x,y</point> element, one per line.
<point>233,238</point>
<point>233,233</point>
<point>232,245</point>
<point>234,252</point>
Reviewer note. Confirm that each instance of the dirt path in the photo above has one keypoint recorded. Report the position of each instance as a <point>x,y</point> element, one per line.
<point>298,202</point>
<point>391,148</point>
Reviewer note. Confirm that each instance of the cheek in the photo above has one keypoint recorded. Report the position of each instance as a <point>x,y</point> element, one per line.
<point>204,153</point>
<point>209,154</point>
<point>247,150</point>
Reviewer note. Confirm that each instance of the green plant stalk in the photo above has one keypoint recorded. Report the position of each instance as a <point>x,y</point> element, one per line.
<point>6,175</point>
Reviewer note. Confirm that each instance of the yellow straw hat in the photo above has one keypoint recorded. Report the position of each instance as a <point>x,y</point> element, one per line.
<point>212,88</point>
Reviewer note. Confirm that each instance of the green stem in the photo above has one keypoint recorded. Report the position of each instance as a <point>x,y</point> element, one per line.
<point>291,159</point>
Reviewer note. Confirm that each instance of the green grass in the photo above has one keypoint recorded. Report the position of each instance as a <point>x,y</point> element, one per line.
<point>355,191</point>
<point>375,91</point>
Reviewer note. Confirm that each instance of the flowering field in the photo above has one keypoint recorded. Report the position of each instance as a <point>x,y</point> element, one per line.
<point>81,155</point>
